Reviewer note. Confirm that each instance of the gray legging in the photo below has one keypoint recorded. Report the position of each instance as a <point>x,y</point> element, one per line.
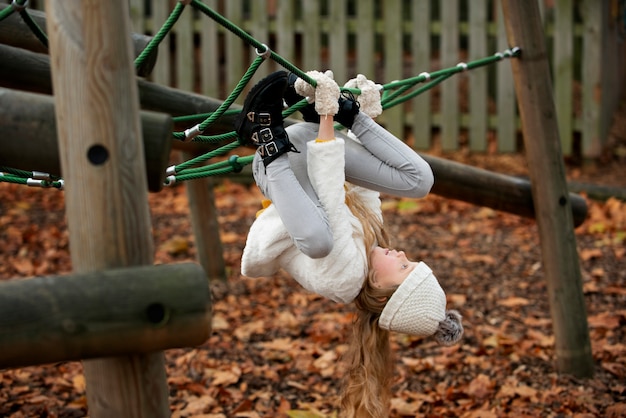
<point>380,162</point>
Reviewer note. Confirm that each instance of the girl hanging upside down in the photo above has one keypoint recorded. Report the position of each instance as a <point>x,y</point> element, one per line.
<point>324,225</point>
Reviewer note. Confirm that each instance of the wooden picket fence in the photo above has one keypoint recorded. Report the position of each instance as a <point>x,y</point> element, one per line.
<point>396,39</point>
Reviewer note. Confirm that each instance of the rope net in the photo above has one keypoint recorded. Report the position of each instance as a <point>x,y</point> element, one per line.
<point>393,93</point>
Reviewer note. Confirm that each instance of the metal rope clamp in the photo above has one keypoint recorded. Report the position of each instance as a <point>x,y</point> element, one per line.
<point>264,54</point>
<point>191,133</point>
<point>17,6</point>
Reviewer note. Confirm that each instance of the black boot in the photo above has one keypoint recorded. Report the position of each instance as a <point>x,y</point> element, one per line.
<point>292,97</point>
<point>260,123</point>
<point>348,109</point>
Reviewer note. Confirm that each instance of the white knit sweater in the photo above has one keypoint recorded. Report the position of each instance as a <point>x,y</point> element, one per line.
<point>338,276</point>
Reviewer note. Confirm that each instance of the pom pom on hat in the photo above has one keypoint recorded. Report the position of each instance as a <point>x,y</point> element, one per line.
<point>450,329</point>
<point>418,307</point>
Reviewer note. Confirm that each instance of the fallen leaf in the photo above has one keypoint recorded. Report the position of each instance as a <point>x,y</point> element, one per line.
<point>616,411</point>
<point>480,387</point>
<point>225,377</point>
<point>219,322</point>
<point>606,320</point>
<point>514,302</point>
<point>404,408</point>
<point>326,363</point>
<point>244,331</point>
<point>197,405</point>
<point>304,414</point>
<point>587,254</point>
<point>175,245</point>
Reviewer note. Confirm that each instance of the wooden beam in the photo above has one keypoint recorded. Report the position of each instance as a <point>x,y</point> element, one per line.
<point>30,71</point>
<point>28,136</point>
<point>14,32</point>
<point>549,188</point>
<point>97,111</point>
<point>103,313</point>
<point>206,228</point>
<point>497,191</point>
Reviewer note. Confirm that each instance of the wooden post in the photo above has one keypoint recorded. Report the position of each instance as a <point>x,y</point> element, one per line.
<point>106,189</point>
<point>206,228</point>
<point>547,173</point>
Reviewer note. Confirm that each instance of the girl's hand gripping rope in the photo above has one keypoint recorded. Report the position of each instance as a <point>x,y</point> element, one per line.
<point>369,99</point>
<point>326,93</point>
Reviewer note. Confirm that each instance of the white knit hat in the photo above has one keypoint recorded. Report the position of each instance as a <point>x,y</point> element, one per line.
<point>418,307</point>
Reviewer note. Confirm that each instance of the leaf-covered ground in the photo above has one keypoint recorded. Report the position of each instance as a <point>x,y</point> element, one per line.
<point>275,350</point>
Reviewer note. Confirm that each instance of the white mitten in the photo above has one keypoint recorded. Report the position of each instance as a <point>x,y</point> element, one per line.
<point>369,99</point>
<point>326,92</point>
<point>304,89</point>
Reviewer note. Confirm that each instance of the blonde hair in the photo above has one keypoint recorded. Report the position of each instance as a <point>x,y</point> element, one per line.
<point>369,374</point>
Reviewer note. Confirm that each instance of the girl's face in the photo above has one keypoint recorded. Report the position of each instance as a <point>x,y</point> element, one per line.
<point>391,267</point>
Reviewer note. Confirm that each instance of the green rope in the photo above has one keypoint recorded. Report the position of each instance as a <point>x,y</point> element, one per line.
<point>201,116</point>
<point>27,181</point>
<point>207,156</point>
<point>20,7</point>
<point>8,178</point>
<point>198,129</point>
<point>386,104</point>
<point>34,27</point>
<point>260,47</point>
<point>8,11</point>
<point>158,38</point>
<point>16,172</point>
<point>461,67</point>
<point>28,174</point>
<point>220,138</point>
<point>212,139</point>
<point>229,166</point>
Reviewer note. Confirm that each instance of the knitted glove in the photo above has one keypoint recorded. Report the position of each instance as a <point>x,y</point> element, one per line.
<point>326,93</point>
<point>369,99</point>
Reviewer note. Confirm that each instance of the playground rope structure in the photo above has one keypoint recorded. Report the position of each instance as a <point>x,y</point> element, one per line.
<point>393,93</point>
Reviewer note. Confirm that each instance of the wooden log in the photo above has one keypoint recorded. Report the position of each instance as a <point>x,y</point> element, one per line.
<point>103,313</point>
<point>30,71</point>
<point>549,188</point>
<point>14,32</point>
<point>106,197</point>
<point>28,136</point>
<point>497,191</point>
<point>24,70</point>
<point>598,191</point>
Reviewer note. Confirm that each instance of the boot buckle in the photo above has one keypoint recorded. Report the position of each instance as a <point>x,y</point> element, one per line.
<point>262,136</point>
<point>262,118</point>
<point>268,150</point>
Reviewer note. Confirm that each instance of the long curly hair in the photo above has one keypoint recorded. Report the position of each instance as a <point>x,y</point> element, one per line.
<point>369,362</point>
